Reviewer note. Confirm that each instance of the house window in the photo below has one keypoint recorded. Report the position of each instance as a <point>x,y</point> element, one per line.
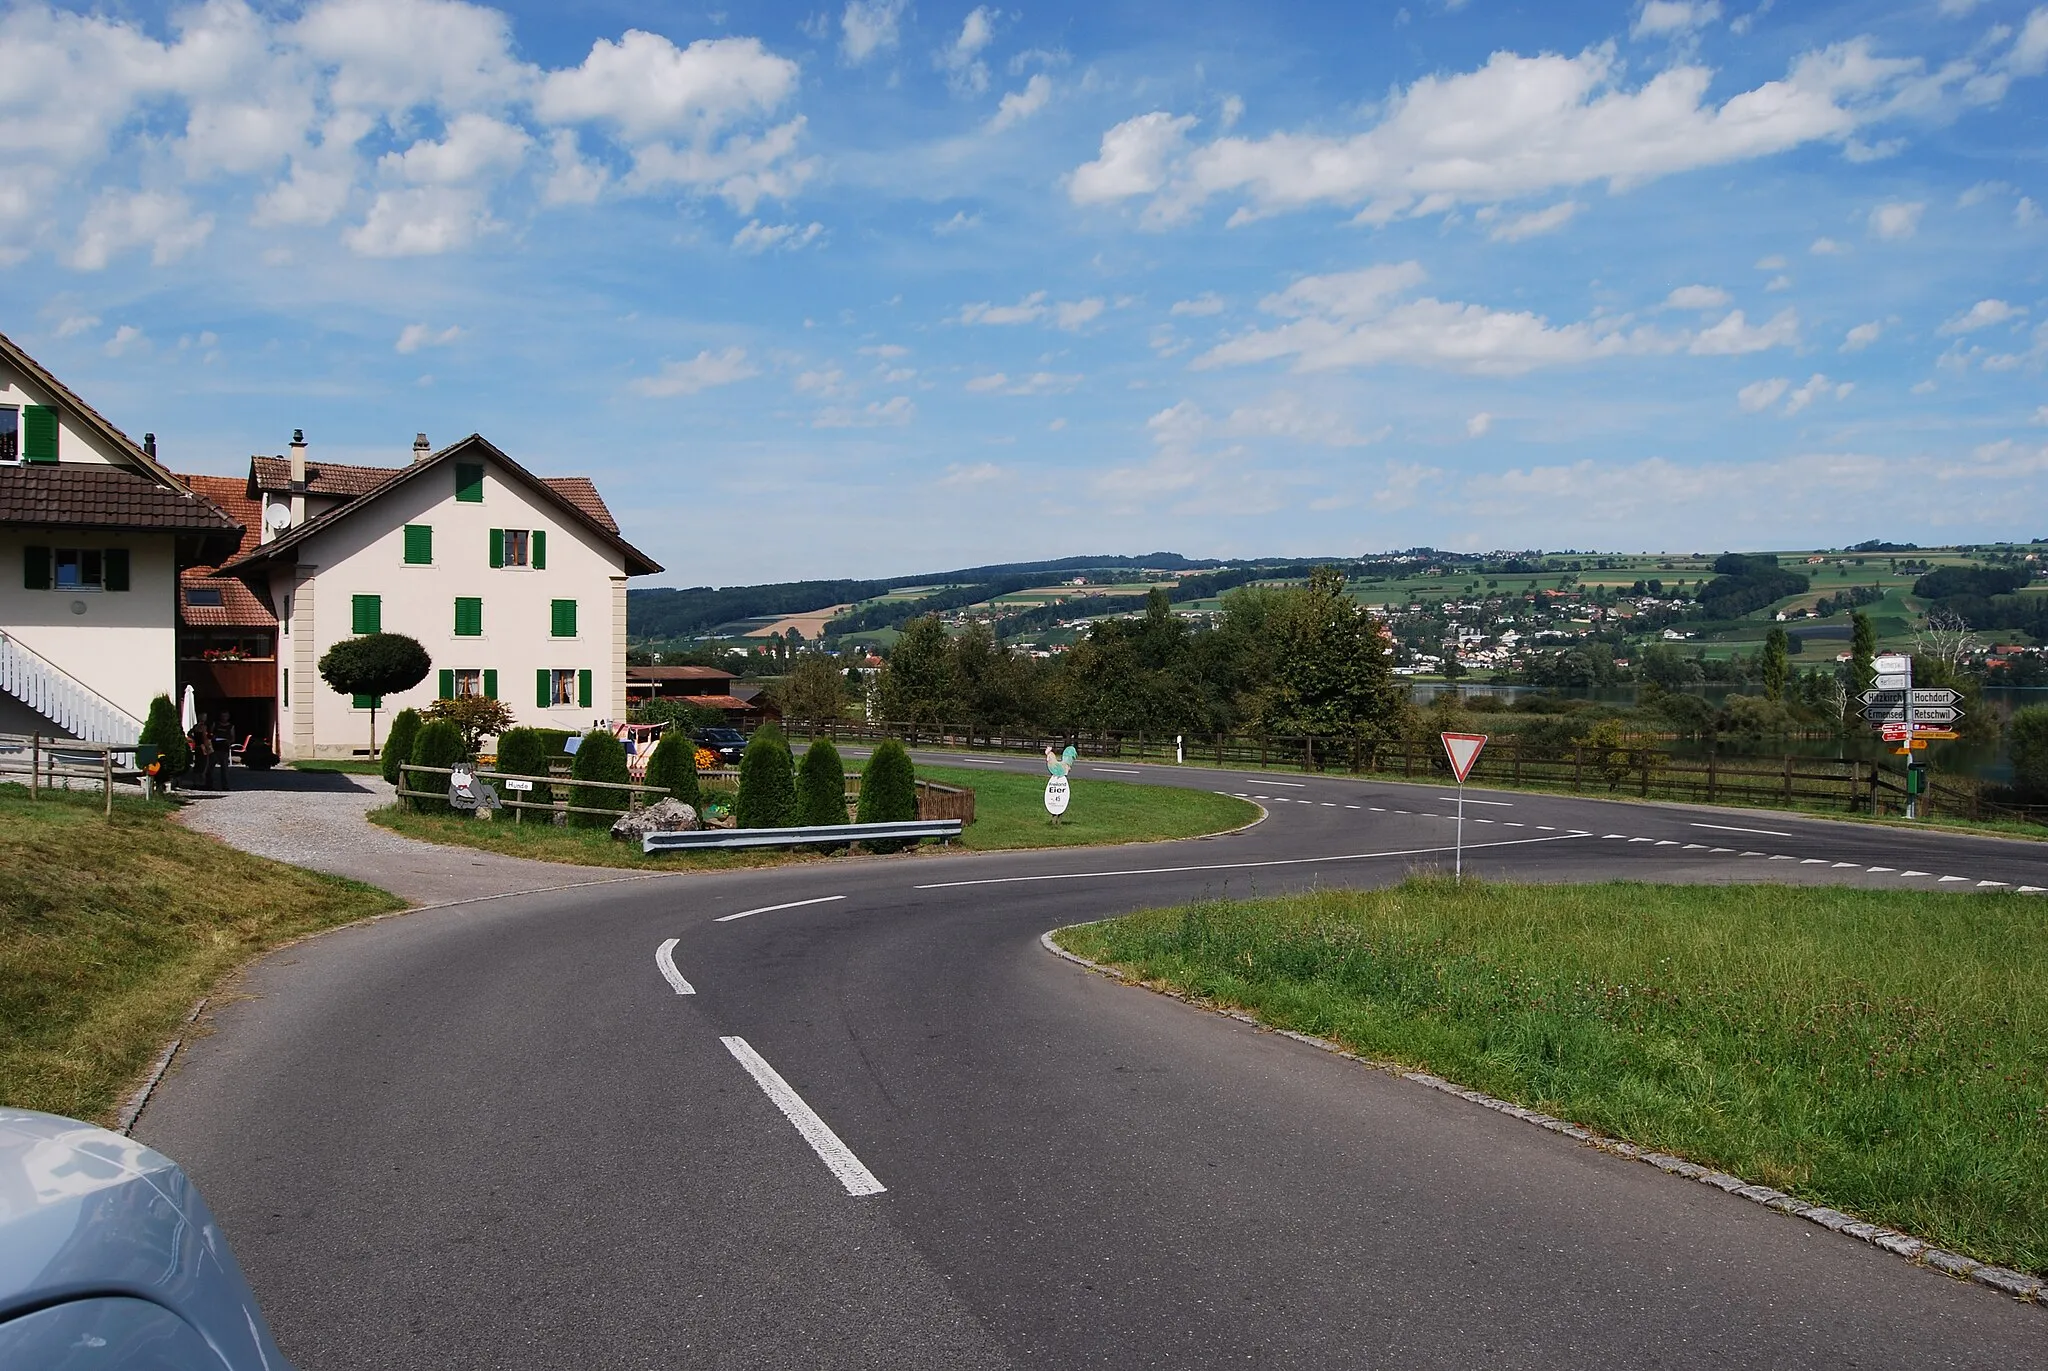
<point>10,434</point>
<point>562,686</point>
<point>462,683</point>
<point>366,702</point>
<point>38,434</point>
<point>469,681</point>
<point>469,483</point>
<point>419,544</point>
<point>519,547</point>
<point>366,613</point>
<point>75,568</point>
<point>469,616</point>
<point>203,597</point>
<point>562,618</point>
<point>515,547</point>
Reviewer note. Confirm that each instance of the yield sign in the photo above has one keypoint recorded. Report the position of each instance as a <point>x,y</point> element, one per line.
<point>1464,750</point>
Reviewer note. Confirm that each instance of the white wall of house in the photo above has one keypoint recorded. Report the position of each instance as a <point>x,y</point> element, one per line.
<point>74,443</point>
<point>120,644</point>
<point>364,555</point>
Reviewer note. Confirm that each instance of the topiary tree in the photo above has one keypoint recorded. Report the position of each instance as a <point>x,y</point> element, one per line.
<point>405,730</point>
<point>2027,736</point>
<point>599,757</point>
<point>888,791</point>
<point>161,732</point>
<point>439,744</point>
<point>375,665</point>
<point>767,789</point>
<point>523,752</point>
<point>673,767</point>
<point>821,786</point>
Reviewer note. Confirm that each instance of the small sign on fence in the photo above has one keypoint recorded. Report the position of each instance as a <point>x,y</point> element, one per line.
<point>514,783</point>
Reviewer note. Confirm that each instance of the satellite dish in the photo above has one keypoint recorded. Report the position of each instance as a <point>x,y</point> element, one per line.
<point>278,517</point>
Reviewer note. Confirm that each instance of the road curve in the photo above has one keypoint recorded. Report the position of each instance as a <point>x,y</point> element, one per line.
<point>501,1135</point>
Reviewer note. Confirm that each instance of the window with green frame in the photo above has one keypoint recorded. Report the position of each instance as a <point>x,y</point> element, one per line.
<point>419,544</point>
<point>562,618</point>
<point>469,616</point>
<point>366,614</point>
<point>469,482</point>
<point>368,701</point>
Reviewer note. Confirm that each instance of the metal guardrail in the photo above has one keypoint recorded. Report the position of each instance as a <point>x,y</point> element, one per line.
<point>798,837</point>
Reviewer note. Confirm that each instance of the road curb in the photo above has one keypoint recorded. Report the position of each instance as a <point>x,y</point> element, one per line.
<point>2024,1288</point>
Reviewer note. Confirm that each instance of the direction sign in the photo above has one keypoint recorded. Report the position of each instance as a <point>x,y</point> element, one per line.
<point>1919,732</point>
<point>1463,749</point>
<point>1922,714</point>
<point>1892,662</point>
<point>1893,680</point>
<point>1920,697</point>
<point>1893,733</point>
<point>1917,745</point>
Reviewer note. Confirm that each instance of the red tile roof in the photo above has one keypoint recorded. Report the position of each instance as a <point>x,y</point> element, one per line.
<point>580,492</point>
<point>677,673</point>
<point>239,606</point>
<point>93,495</point>
<point>231,494</point>
<point>322,478</point>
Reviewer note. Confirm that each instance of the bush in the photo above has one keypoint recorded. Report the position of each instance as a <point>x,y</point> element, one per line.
<point>2028,736</point>
<point>599,757</point>
<point>821,786</point>
<point>524,752</point>
<point>767,790</point>
<point>673,766</point>
<point>161,732</point>
<point>405,730</point>
<point>888,791</point>
<point>439,744</point>
<point>478,716</point>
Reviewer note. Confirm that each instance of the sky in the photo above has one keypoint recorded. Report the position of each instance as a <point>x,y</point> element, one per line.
<point>881,287</point>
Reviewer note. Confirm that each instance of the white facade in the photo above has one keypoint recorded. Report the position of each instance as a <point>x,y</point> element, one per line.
<point>120,645</point>
<point>492,629</point>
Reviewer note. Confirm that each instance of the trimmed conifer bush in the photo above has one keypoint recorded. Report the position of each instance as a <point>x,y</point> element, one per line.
<point>767,787</point>
<point>439,743</point>
<point>161,732</point>
<point>599,757</point>
<point>405,729</point>
<point>888,791</point>
<point>524,752</point>
<point>673,766</point>
<point>821,787</point>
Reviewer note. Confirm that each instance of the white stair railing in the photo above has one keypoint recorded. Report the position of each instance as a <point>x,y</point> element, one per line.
<point>62,698</point>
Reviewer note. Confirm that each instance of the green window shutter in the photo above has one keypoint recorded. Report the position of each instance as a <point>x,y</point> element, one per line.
<point>490,683</point>
<point>116,569</point>
<point>368,701</point>
<point>562,618</point>
<point>366,614</point>
<point>419,544</point>
<point>38,434</point>
<point>497,547</point>
<point>447,690</point>
<point>540,549</point>
<point>469,616</point>
<point>583,689</point>
<point>35,568</point>
<point>469,483</point>
<point>542,696</point>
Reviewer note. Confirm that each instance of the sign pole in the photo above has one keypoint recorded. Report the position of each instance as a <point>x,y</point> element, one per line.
<point>1912,795</point>
<point>1458,861</point>
<point>1463,750</point>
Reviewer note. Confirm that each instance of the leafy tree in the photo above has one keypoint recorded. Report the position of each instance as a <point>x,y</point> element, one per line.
<point>1862,651</point>
<point>1332,674</point>
<point>160,731</point>
<point>376,665</point>
<point>888,791</point>
<point>820,786</point>
<point>439,744</point>
<point>478,718</point>
<point>813,692</point>
<point>767,788</point>
<point>917,680</point>
<point>673,767</point>
<point>599,757</point>
<point>523,752</point>
<point>1774,663</point>
<point>2027,735</point>
<point>405,728</point>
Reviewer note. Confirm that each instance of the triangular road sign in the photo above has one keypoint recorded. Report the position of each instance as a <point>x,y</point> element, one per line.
<point>1464,750</point>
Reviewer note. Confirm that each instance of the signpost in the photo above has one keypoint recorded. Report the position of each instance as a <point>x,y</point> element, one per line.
<point>1463,750</point>
<point>1908,717</point>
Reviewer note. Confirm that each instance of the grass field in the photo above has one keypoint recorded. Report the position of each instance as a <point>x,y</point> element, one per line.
<point>1880,1052</point>
<point>1009,814</point>
<point>360,767</point>
<point>110,930</point>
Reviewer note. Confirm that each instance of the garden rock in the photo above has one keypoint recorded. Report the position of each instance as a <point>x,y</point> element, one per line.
<point>663,816</point>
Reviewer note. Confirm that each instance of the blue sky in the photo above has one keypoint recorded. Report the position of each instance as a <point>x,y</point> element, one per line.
<point>882,287</point>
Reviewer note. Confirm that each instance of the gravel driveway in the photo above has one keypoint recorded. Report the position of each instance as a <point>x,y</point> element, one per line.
<point>315,819</point>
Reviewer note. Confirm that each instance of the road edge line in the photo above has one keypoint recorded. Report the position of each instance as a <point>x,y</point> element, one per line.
<point>1916,1251</point>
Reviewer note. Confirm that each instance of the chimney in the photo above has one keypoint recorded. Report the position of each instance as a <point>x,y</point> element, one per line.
<point>421,448</point>
<point>298,477</point>
<point>149,446</point>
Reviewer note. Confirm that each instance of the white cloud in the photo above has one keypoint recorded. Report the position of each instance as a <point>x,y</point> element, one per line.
<point>758,237</point>
<point>1827,247</point>
<point>1778,283</point>
<point>1983,314</point>
<point>572,180</point>
<point>2041,415</point>
<point>1896,221</point>
<point>1186,425</point>
<point>1034,308</point>
<point>1861,336</point>
<point>1037,383</point>
<point>961,60</point>
<point>960,476</point>
<point>2025,212</point>
<point>1733,336</point>
<point>1669,18</point>
<point>1132,160</point>
<point>868,27</point>
<point>1538,222</point>
<point>1208,302</point>
<point>1858,151</point>
<point>1772,263</point>
<point>895,411</point>
<point>1074,313</point>
<point>1956,9</point>
<point>1231,112</point>
<point>475,144</point>
<point>829,383</point>
<point>76,324</point>
<point>1696,297</point>
<point>127,338</point>
<point>888,352</point>
<point>394,55</point>
<point>117,221</point>
<point>1020,105</point>
<point>419,222</point>
<point>702,372</point>
<point>1761,395</point>
<point>416,336</point>
<point>1816,387</point>
<point>1478,425</point>
<point>2029,54</point>
<point>959,223</point>
<point>648,88</point>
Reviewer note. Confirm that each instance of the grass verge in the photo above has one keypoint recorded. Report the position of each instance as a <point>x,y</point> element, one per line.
<point>347,768</point>
<point>110,930</point>
<point>1884,1053</point>
<point>1009,814</point>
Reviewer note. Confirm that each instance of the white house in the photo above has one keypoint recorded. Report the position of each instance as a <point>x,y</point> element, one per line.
<point>515,585</point>
<point>94,531</point>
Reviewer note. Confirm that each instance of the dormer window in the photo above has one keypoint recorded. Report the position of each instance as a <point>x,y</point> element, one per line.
<point>10,434</point>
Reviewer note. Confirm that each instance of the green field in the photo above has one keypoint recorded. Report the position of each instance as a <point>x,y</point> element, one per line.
<point>1885,1053</point>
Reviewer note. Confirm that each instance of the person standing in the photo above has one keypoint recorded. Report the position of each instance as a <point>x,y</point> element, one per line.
<point>201,743</point>
<point>223,748</point>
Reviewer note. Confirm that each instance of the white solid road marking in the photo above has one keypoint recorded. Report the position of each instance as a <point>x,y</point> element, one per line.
<point>1291,785</point>
<point>771,908</point>
<point>1121,770</point>
<point>664,958</point>
<point>836,1155</point>
<point>984,761</point>
<point>1724,828</point>
<point>1502,804</point>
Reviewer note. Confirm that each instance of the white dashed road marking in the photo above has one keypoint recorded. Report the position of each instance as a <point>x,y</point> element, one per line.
<point>836,1155</point>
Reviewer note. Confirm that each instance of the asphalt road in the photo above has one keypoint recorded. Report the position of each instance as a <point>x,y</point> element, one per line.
<point>497,1135</point>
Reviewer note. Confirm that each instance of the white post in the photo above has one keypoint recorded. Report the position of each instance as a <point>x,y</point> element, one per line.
<point>1912,800</point>
<point>1458,862</point>
<point>1179,754</point>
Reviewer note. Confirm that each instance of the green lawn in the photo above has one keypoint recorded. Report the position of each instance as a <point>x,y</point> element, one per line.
<point>110,930</point>
<point>351,768</point>
<point>1885,1053</point>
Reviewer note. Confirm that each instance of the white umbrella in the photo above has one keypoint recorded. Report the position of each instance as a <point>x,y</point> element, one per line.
<point>188,713</point>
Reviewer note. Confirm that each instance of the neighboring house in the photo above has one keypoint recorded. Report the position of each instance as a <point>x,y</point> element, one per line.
<point>515,585</point>
<point>227,636</point>
<point>706,687</point>
<point>93,534</point>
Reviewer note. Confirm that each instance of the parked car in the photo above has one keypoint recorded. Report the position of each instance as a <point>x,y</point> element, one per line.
<point>729,743</point>
<point>109,1258</point>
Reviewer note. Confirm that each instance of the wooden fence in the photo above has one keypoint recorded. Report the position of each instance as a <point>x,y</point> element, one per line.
<point>58,763</point>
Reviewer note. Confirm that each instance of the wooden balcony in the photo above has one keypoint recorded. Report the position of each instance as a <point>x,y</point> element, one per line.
<point>250,679</point>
